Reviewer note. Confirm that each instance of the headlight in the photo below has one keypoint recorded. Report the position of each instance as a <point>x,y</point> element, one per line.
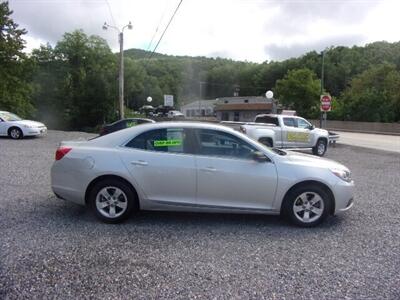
<point>342,174</point>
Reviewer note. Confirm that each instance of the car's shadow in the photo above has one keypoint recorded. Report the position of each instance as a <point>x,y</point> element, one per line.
<point>184,222</point>
<point>24,138</point>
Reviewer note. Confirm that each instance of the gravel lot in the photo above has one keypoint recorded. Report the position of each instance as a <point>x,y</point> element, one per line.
<point>54,249</point>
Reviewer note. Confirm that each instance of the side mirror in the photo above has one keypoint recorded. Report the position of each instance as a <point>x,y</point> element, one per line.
<point>311,127</point>
<point>260,157</point>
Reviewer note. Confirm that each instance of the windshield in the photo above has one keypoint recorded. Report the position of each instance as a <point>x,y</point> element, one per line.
<point>9,117</point>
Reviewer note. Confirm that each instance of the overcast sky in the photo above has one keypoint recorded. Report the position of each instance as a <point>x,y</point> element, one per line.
<point>253,30</point>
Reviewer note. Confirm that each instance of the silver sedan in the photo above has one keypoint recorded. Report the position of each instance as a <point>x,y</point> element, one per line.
<point>184,166</point>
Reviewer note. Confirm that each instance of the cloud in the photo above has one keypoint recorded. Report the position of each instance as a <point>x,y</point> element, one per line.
<point>281,52</point>
<point>252,30</point>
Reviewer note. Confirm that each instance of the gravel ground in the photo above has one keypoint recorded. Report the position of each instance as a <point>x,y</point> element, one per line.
<point>54,249</point>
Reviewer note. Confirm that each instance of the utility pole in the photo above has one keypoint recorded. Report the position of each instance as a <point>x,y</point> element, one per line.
<point>322,86</point>
<point>200,82</point>
<point>121,65</point>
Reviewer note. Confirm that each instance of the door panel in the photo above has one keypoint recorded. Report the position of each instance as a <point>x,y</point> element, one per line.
<point>3,128</point>
<point>162,176</point>
<point>227,176</point>
<point>237,183</point>
<point>293,136</point>
<point>161,164</point>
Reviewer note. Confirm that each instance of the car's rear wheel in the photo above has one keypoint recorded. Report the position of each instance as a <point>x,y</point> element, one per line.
<point>112,200</point>
<point>307,206</point>
<point>320,147</point>
<point>15,133</point>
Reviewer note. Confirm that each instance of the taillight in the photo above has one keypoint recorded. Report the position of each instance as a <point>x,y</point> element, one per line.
<point>61,152</point>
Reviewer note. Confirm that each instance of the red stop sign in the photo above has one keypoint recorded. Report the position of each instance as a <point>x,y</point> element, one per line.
<point>326,102</point>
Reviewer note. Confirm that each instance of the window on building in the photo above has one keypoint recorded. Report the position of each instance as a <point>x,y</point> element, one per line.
<point>225,116</point>
<point>236,116</point>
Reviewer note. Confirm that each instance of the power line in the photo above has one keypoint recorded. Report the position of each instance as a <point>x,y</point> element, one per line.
<point>111,14</point>
<point>158,26</point>
<point>172,17</point>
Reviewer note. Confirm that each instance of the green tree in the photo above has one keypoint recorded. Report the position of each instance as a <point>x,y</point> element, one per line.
<point>87,91</point>
<point>299,90</point>
<point>15,67</point>
<point>374,95</point>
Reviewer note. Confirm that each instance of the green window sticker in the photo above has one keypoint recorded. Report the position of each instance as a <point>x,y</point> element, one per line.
<point>130,124</point>
<point>167,143</point>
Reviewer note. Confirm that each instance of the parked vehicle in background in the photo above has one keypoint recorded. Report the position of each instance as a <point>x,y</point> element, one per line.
<point>16,128</point>
<point>201,167</point>
<point>287,132</point>
<point>175,114</point>
<point>122,124</point>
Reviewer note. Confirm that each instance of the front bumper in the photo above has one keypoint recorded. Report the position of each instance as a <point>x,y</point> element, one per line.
<point>344,196</point>
<point>35,131</point>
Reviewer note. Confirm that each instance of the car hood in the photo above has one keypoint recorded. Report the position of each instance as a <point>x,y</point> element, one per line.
<point>313,161</point>
<point>28,123</point>
<point>321,132</point>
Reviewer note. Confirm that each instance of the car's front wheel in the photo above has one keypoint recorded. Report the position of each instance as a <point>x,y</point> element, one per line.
<point>307,206</point>
<point>112,200</point>
<point>15,133</point>
<point>320,147</point>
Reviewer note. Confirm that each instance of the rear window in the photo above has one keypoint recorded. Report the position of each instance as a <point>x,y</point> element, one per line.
<point>267,119</point>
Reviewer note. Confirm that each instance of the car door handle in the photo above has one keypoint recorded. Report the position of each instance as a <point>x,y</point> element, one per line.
<point>208,169</point>
<point>139,163</point>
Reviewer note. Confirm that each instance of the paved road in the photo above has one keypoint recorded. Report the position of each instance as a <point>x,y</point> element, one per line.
<point>50,248</point>
<point>372,141</point>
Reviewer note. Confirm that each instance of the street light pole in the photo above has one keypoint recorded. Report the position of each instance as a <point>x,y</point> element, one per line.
<point>322,84</point>
<point>121,65</point>
<point>121,75</point>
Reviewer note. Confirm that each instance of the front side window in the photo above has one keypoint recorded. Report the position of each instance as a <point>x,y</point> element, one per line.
<point>290,122</point>
<point>9,117</point>
<point>303,124</point>
<point>162,140</point>
<point>219,143</point>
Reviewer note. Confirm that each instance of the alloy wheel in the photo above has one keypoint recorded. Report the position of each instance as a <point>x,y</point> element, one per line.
<point>111,202</point>
<point>308,207</point>
<point>321,148</point>
<point>15,133</point>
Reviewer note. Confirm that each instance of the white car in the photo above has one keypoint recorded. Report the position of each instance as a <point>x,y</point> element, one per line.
<point>175,114</point>
<point>200,167</point>
<point>16,128</point>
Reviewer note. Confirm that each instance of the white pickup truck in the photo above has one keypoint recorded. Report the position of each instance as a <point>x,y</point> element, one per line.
<point>289,132</point>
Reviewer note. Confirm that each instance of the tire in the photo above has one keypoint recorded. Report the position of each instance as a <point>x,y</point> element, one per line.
<point>266,141</point>
<point>320,147</point>
<point>106,206</point>
<point>307,206</point>
<point>15,133</point>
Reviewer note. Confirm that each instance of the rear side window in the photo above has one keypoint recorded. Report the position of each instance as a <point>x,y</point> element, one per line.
<point>290,122</point>
<point>131,123</point>
<point>267,119</point>
<point>162,140</point>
